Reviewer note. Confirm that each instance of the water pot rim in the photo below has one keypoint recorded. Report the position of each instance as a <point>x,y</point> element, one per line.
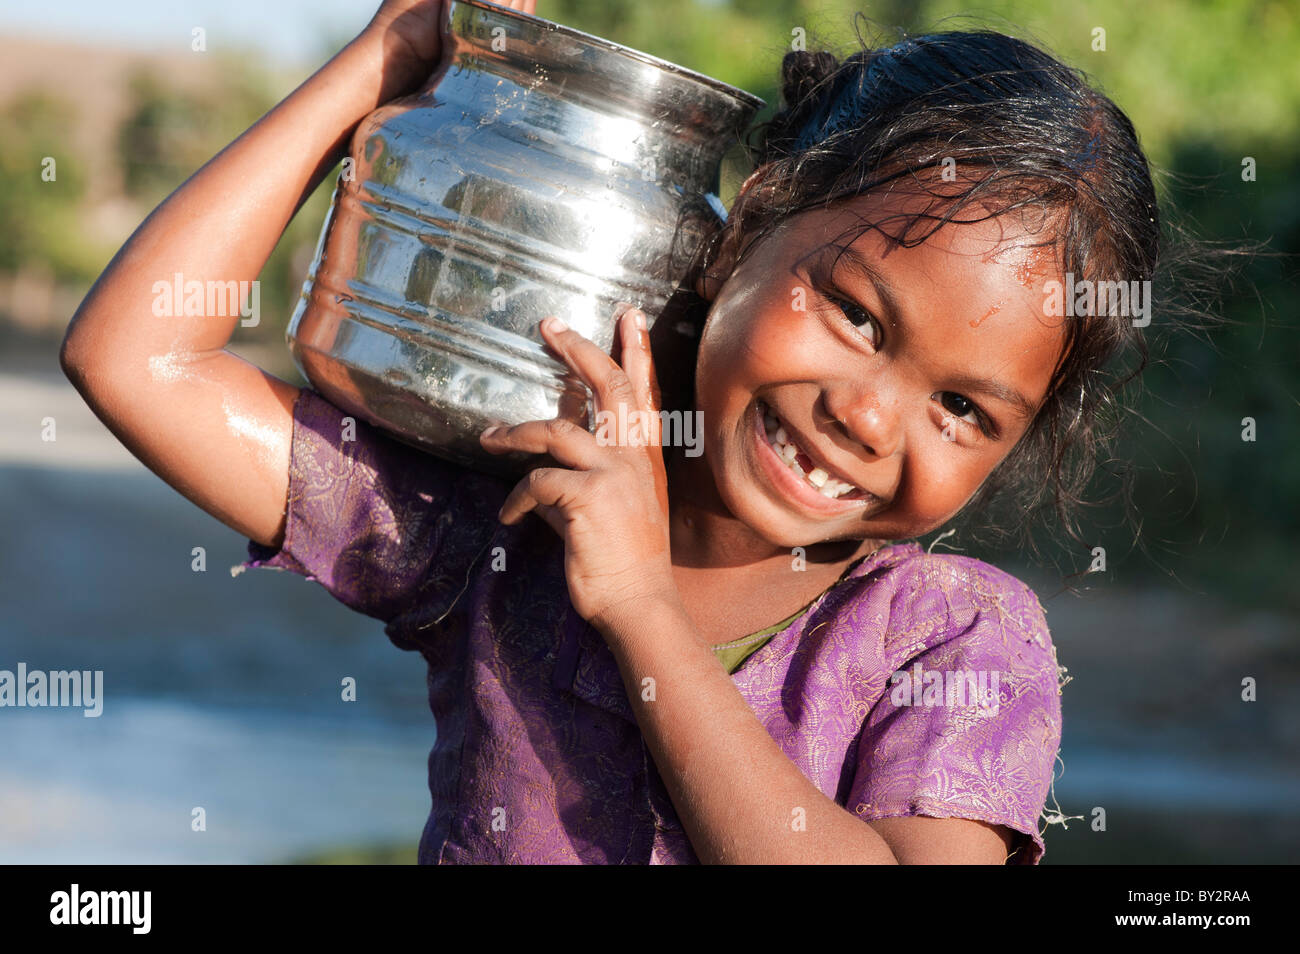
<point>617,48</point>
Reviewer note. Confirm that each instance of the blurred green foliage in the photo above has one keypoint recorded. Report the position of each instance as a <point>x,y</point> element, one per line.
<point>1205,83</point>
<point>38,217</point>
<point>167,133</point>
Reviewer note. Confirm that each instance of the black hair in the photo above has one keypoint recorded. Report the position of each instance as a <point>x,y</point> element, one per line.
<point>1028,134</point>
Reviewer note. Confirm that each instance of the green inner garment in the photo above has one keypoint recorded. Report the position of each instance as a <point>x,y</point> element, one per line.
<point>733,656</point>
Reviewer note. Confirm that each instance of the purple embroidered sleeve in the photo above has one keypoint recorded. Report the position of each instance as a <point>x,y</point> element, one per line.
<point>970,721</point>
<point>379,523</point>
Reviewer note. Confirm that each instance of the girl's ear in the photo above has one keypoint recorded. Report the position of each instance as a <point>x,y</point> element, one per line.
<point>711,280</point>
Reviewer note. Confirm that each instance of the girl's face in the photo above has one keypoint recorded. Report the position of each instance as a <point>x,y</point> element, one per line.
<point>911,387</point>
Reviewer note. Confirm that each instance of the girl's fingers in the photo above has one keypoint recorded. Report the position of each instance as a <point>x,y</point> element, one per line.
<point>634,357</point>
<point>607,381</point>
<point>570,444</point>
<point>545,490</point>
<point>637,360</point>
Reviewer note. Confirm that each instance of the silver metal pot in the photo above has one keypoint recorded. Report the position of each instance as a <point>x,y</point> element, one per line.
<point>540,171</point>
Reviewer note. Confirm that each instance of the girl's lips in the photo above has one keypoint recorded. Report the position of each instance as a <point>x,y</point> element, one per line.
<point>791,486</point>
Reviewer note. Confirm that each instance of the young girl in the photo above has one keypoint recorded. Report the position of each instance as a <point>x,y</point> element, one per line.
<point>730,657</point>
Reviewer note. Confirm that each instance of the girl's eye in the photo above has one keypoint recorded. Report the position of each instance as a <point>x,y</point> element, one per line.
<point>956,404</point>
<point>860,319</point>
<point>962,409</point>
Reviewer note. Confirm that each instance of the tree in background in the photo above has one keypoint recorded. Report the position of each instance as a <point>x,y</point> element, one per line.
<point>38,217</point>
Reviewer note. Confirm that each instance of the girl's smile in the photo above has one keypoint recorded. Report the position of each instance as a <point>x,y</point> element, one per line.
<point>870,397</point>
<point>807,481</point>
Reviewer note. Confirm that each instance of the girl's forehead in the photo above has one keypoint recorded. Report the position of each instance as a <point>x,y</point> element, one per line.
<point>1015,253</point>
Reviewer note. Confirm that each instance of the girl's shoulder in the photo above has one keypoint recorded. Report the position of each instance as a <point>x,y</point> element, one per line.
<point>954,662</point>
<point>332,440</point>
<point>379,523</point>
<point>927,598</point>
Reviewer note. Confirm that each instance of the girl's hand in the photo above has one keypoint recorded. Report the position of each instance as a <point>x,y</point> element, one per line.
<point>611,503</point>
<point>410,32</point>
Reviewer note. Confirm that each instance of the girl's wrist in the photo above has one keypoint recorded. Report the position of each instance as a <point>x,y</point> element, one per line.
<point>641,618</point>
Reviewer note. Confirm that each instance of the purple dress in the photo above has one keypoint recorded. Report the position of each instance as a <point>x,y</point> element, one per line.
<point>918,685</point>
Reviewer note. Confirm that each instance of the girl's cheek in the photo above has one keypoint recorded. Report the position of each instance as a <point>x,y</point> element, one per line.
<point>944,480</point>
<point>928,475</point>
<point>769,343</point>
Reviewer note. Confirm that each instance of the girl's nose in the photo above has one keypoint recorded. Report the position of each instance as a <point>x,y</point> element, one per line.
<point>867,420</point>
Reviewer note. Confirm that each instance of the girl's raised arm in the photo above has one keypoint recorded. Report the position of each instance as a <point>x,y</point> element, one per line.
<point>212,425</point>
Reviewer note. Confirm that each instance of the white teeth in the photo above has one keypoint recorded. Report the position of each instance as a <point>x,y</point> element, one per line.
<point>825,484</point>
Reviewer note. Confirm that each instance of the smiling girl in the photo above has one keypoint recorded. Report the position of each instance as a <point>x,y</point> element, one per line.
<point>731,657</point>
